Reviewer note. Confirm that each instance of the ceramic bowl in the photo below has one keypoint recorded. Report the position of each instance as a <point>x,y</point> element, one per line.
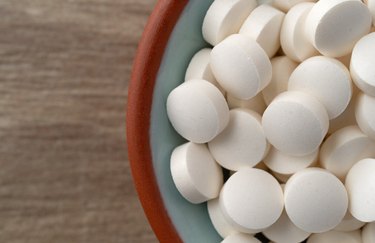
<point>172,36</point>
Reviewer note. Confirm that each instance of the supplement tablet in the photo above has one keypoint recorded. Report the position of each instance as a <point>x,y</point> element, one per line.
<point>199,68</point>
<point>225,17</point>
<point>240,238</point>
<point>219,222</point>
<point>315,200</point>
<point>360,183</point>
<point>344,148</point>
<point>293,38</point>
<point>284,231</point>
<point>334,26</point>
<point>286,164</point>
<point>362,64</point>
<point>282,68</point>
<point>286,5</point>
<point>256,103</point>
<point>197,110</point>
<point>349,223</point>
<point>291,118</point>
<point>336,236</point>
<point>195,173</point>
<point>252,199</point>
<point>242,143</point>
<point>327,80</point>
<point>365,114</point>
<point>263,25</point>
<point>241,66</point>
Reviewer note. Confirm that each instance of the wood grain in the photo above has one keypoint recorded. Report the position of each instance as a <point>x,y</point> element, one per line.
<point>64,71</point>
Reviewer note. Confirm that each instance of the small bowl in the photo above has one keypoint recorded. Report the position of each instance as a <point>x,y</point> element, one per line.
<point>172,36</point>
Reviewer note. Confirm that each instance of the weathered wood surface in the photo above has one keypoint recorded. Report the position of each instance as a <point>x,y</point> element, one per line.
<point>64,71</point>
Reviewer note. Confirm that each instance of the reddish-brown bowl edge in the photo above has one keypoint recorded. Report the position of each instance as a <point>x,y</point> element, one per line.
<point>145,69</point>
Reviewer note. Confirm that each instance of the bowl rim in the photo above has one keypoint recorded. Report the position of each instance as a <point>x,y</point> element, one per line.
<point>144,73</point>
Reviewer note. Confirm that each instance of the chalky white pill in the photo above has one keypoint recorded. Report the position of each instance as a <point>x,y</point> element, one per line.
<point>199,68</point>
<point>315,200</point>
<point>242,143</point>
<point>361,65</point>
<point>336,236</point>
<point>368,233</point>
<point>282,68</point>
<point>283,163</point>
<point>222,226</point>
<point>241,66</point>
<point>365,115</point>
<point>197,110</point>
<point>240,238</point>
<point>286,5</point>
<point>347,118</point>
<point>225,17</point>
<point>349,223</point>
<point>291,118</point>
<point>334,26</point>
<point>264,25</point>
<point>293,39</point>
<point>256,103</point>
<point>360,183</point>
<point>344,148</point>
<point>195,173</point>
<point>252,199</point>
<point>327,79</point>
<point>284,231</point>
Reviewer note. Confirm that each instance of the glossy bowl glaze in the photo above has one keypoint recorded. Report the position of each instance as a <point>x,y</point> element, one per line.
<point>172,36</point>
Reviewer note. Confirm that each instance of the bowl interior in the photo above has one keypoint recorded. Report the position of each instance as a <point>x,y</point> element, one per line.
<point>191,221</point>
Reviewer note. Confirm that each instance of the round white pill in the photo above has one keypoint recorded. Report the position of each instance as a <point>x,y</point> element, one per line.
<point>336,236</point>
<point>197,110</point>
<point>347,118</point>
<point>199,68</point>
<point>195,173</point>
<point>361,65</point>
<point>293,39</point>
<point>252,199</point>
<point>225,17</point>
<point>327,79</point>
<point>349,223</point>
<point>256,103</point>
<point>284,231</point>
<point>368,233</point>
<point>240,238</point>
<point>295,123</point>
<point>334,26</point>
<point>282,68</point>
<point>283,163</point>
<point>222,226</point>
<point>286,5</point>
<point>241,66</point>
<point>264,25</point>
<point>360,183</point>
<point>315,200</point>
<point>344,148</point>
<point>242,143</point>
<point>365,115</point>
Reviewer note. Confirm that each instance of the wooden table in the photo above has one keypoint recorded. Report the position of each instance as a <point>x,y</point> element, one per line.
<point>64,71</point>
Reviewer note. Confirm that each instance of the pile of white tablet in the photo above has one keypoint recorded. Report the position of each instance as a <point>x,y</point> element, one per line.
<point>285,100</point>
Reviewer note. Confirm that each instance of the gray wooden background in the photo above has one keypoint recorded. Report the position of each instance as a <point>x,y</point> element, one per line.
<point>64,71</point>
